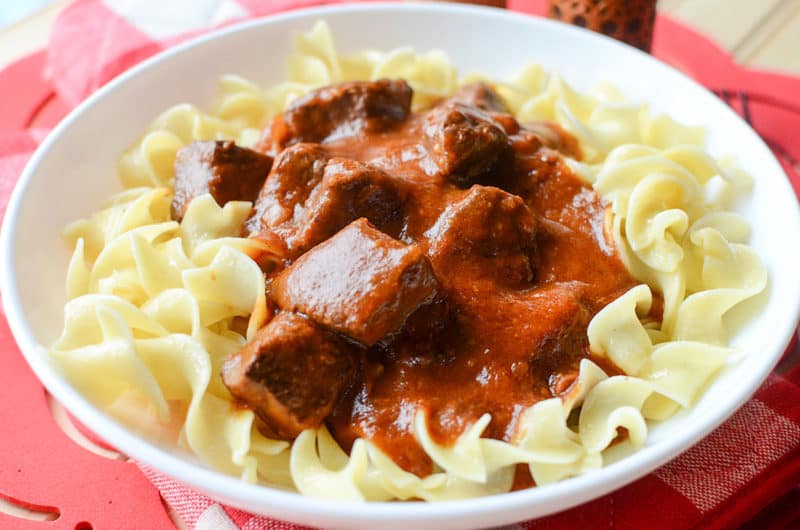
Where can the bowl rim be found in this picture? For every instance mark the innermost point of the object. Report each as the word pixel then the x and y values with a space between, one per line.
pixel 560 495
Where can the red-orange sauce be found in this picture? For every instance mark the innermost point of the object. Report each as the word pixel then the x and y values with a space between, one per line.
pixel 503 351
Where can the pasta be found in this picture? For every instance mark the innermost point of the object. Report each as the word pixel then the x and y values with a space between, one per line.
pixel 156 305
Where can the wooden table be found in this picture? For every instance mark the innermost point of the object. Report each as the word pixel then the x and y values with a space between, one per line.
pixel 758 33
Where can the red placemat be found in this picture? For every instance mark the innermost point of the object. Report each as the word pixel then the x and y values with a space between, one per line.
pixel 42 469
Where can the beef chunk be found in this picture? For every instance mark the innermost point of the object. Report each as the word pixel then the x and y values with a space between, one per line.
pixel 309 197
pixel 558 354
pixel 480 95
pixel 553 136
pixel 340 111
pixel 487 233
pixel 226 171
pixel 361 283
pixel 464 141
pixel 484 97
pixel 291 374
pixel 296 172
pixel 424 338
pixel 349 190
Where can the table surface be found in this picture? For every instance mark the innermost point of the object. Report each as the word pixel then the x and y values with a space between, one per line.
pixel 758 33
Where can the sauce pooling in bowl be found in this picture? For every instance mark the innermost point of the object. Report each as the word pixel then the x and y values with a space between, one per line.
pixel 446 261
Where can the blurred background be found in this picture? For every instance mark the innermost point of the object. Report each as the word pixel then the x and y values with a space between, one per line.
pixel 757 33
pixel 11 11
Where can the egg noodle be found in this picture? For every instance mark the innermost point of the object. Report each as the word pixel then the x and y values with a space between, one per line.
pixel 155 305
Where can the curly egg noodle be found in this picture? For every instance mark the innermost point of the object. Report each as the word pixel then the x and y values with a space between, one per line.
pixel 155 306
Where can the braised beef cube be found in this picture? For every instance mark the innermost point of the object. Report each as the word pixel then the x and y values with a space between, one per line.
pixel 464 141
pixel 488 232
pixel 340 111
pixel 291 373
pixel 297 170
pixel 349 190
pixel 480 95
pixel 552 135
pixel 426 336
pixel 361 283
pixel 226 171
pixel 329 194
pixel 557 357
pixel 484 97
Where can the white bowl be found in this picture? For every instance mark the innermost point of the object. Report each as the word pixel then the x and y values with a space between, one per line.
pixel 73 172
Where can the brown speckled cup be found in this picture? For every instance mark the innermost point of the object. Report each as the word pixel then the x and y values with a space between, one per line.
pixel 630 21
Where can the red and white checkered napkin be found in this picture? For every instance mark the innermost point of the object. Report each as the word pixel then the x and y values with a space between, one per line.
pixel 722 482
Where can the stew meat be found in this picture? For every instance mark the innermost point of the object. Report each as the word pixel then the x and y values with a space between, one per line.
pixel 340 111
pixel 447 261
pixel 464 142
pixel 311 195
pixel 226 171
pixel 292 372
pixel 360 283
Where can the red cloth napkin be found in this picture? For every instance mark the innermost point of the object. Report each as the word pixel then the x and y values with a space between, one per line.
pixel 749 462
